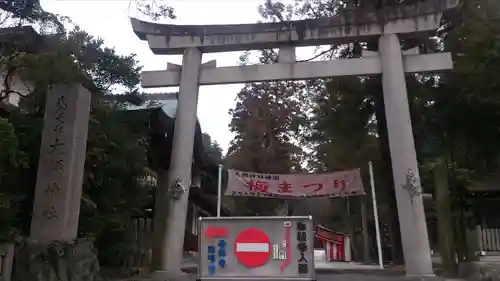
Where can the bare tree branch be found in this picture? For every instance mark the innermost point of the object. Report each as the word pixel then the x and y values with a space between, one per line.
pixel 330 50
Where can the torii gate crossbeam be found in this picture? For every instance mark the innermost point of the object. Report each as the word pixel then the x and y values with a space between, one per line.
pixel 419 20
pixel 296 71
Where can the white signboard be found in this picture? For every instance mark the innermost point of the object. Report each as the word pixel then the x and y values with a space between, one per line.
pixel 256 248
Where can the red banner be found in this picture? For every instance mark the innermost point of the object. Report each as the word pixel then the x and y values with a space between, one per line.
pixel 337 184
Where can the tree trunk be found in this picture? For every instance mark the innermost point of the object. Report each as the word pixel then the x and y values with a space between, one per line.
pixel 444 219
pixel 395 232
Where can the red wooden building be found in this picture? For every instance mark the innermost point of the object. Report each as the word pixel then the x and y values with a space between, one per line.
pixel 337 245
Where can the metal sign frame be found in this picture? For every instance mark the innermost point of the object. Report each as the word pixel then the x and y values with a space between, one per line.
pixel 253 222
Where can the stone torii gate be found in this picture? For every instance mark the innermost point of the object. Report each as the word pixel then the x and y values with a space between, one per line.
pixel 419 20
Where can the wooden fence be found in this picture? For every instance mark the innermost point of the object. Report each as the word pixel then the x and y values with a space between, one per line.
pixel 6 259
pixel 489 239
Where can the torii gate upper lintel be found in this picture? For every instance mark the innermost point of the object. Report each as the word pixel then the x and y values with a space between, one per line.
pixel 421 19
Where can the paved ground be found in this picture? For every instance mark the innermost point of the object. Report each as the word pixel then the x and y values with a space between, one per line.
pixel 332 272
pixel 357 277
pixel 391 275
pixel 352 277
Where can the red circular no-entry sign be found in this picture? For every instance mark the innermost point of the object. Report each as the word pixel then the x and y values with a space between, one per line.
pixel 252 247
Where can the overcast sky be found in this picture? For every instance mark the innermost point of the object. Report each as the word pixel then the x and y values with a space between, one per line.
pixel 110 21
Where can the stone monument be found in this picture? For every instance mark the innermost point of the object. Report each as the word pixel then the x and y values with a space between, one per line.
pixel 58 191
pixel 419 20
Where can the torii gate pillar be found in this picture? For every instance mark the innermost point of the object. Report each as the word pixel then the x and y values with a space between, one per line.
pixel 414 236
pixel 179 177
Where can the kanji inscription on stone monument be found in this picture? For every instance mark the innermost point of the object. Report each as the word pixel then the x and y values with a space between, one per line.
pixel 60 168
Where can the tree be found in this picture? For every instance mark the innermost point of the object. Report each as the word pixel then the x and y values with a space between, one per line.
pixel 155 9
pixel 266 120
pixel 347 95
pixel 212 147
pixel 349 113
pixel 117 143
pixel 461 115
pixel 210 180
